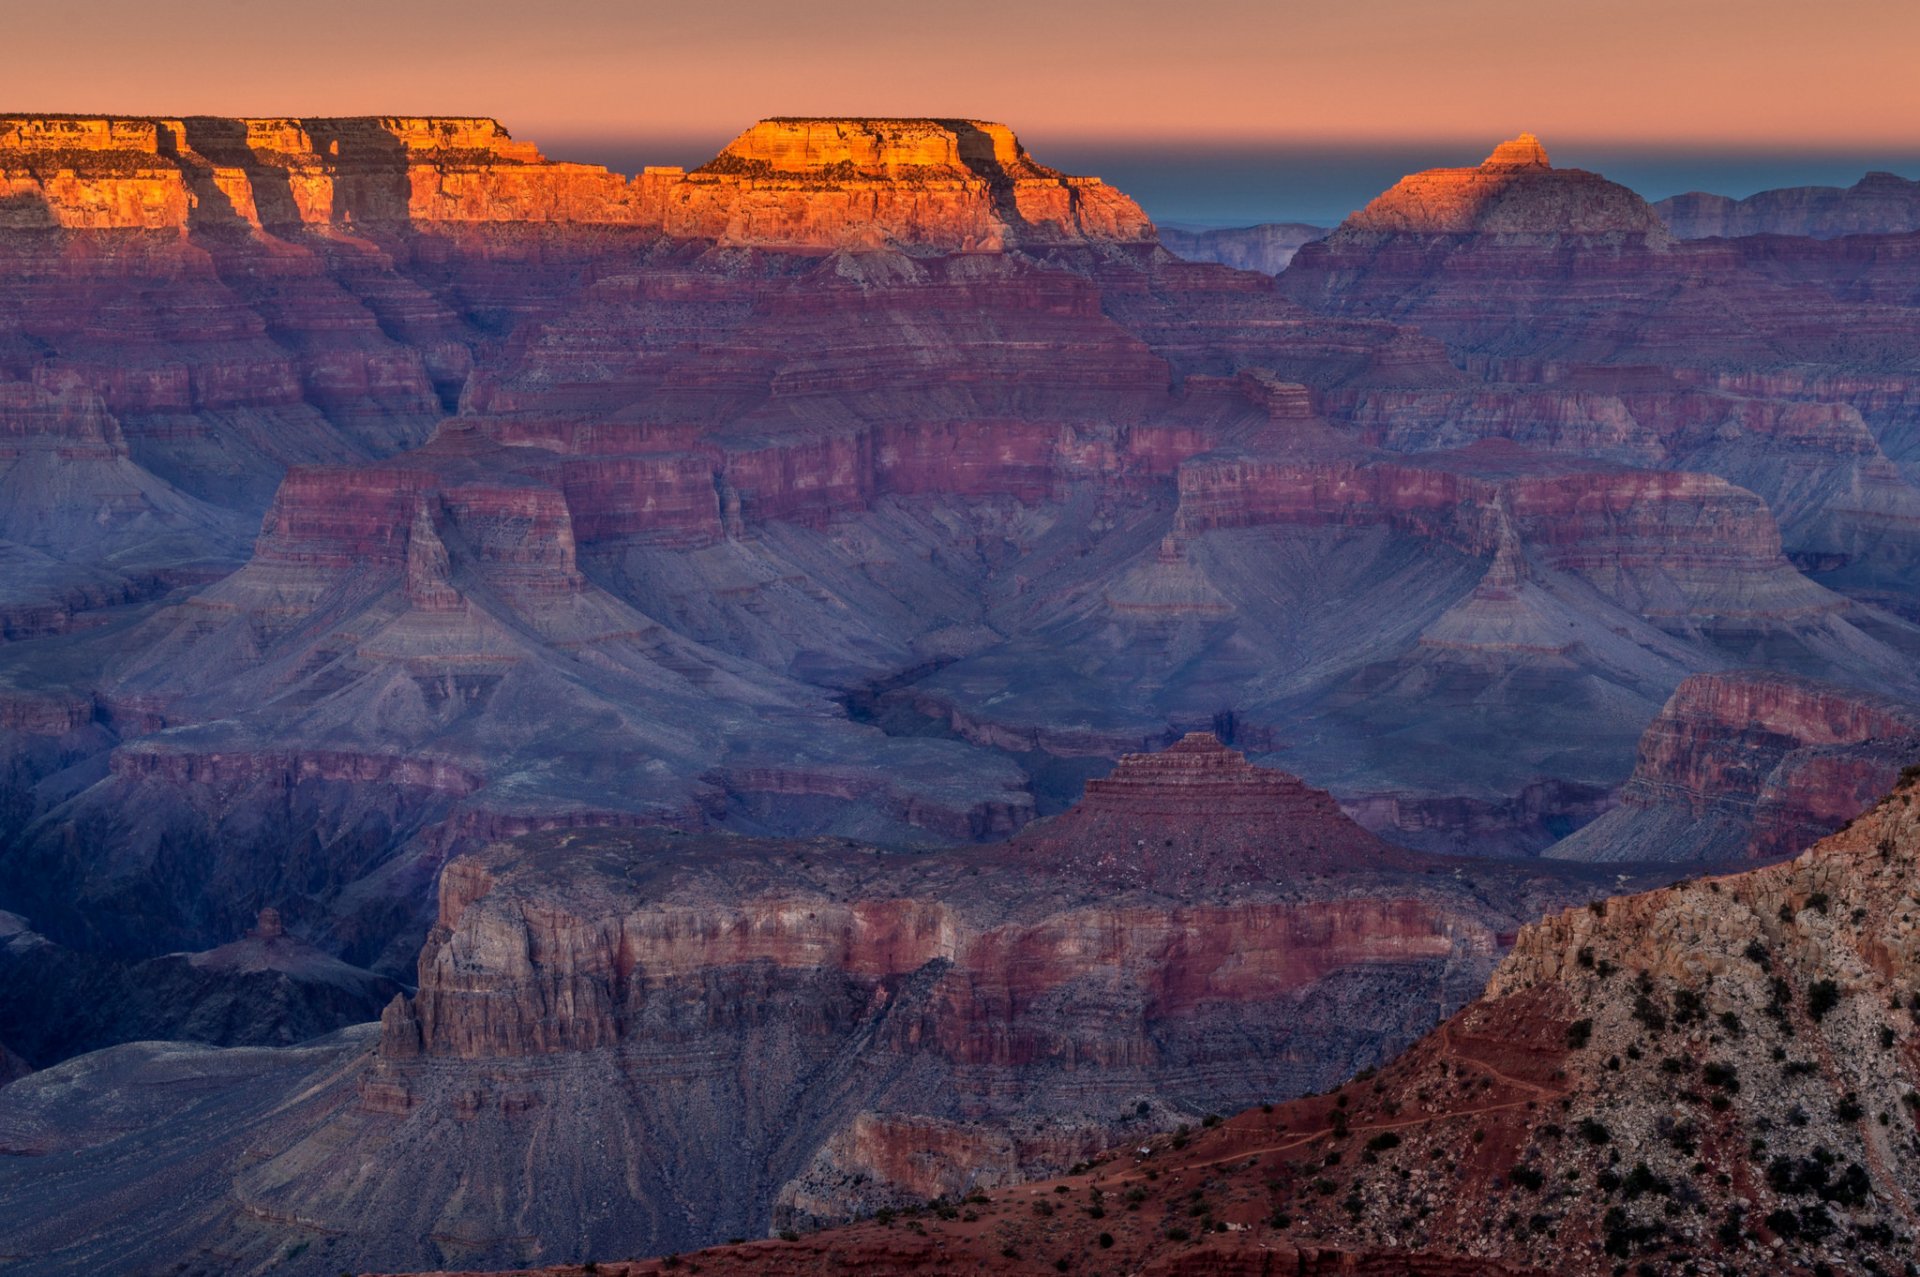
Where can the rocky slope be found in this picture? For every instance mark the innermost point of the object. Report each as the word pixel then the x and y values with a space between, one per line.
pixel 1878 204
pixel 1266 248
pixel 751 1035
pixel 1714 1077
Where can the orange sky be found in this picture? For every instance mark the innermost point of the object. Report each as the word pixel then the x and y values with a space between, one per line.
pixel 1755 72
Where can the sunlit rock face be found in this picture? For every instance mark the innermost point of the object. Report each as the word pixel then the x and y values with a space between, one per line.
pixel 954 184
pixel 1514 191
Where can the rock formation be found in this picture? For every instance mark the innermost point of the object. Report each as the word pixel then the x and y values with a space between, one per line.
pixel 957 184
pixel 1718 1075
pixel 1266 248
pixel 1751 764
pixel 1515 191
pixel 755 1034
pixel 268 988
pixel 1878 204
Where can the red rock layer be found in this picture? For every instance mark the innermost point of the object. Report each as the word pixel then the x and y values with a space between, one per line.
pixel 1709 1076
pixel 961 184
pixel 1752 764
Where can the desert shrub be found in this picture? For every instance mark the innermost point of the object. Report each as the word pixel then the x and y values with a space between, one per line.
pixel 1822 997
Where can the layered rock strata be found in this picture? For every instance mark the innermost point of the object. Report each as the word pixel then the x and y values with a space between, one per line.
pixel 961 184
pixel 1716 1075
pixel 1751 764
pixel 763 1034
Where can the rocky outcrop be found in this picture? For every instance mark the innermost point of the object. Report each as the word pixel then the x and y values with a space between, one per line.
pixel 1878 204
pixel 1197 815
pixel 1515 191
pixel 1751 764
pixel 1266 248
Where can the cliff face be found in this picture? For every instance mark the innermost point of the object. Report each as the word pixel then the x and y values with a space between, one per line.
pixel 1713 1074
pixel 959 184
pixel 1266 248
pixel 1878 204
pixel 763 1034
pixel 1751 764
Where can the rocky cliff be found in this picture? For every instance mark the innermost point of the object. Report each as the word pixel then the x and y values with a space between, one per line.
pixel 1878 204
pixel 958 184
pixel 1716 1076
pixel 1266 248
pixel 1751 764
pixel 703 1036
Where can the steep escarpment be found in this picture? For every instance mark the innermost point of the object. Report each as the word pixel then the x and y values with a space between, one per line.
pixel 764 1034
pixel 959 184
pixel 1751 764
pixel 1716 1076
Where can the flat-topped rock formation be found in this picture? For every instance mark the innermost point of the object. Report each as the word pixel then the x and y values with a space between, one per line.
pixel 1878 204
pixel 956 184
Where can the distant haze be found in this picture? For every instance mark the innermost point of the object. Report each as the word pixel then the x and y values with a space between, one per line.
pixel 1242 183
pixel 1732 73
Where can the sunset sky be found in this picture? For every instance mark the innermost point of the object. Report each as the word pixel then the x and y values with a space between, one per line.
pixel 619 78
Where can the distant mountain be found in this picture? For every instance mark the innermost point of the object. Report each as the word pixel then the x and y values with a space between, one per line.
pixel 1878 204
pixel 1266 248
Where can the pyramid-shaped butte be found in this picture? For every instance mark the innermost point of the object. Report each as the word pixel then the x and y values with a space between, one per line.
pixel 1514 192
pixel 1199 814
pixel 1520 152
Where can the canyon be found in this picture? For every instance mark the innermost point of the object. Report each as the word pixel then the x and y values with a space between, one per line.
pixel 630 1041
pixel 776 671
pixel 1718 1075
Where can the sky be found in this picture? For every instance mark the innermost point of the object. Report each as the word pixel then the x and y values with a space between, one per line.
pixel 1188 105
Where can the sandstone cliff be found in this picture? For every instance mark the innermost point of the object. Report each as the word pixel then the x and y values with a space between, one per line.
pixel 957 184
pixel 1751 764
